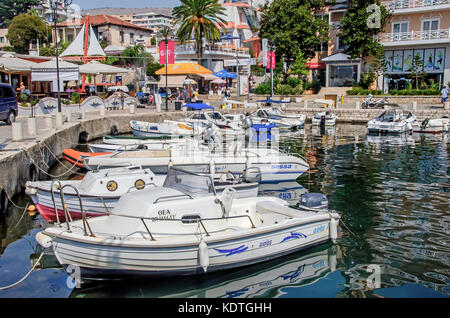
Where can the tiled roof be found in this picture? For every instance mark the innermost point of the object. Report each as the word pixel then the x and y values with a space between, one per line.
pixel 102 19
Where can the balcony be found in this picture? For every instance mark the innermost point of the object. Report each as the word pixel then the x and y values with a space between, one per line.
pixel 410 6
pixel 216 50
pixel 414 37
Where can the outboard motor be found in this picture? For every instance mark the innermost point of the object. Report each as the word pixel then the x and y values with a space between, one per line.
pixel 247 123
pixel 313 202
pixel 252 174
pixel 142 147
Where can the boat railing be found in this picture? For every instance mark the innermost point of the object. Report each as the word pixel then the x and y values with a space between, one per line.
pixel 68 218
pixel 141 186
pixel 201 222
pixel 177 197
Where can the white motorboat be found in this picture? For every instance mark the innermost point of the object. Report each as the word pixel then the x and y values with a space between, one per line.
pixel 393 121
pixel 184 228
pixel 272 165
pixel 277 113
pixel 100 191
pixel 142 145
pixel 166 128
pixel 326 118
pixel 432 126
pixel 261 116
pixel 223 125
pixel 290 191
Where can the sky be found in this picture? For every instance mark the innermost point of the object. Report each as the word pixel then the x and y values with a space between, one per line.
pixel 92 4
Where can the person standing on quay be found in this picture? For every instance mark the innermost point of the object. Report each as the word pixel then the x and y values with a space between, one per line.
pixel 444 95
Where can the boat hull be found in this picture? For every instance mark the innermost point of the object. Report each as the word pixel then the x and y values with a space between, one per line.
pixel 104 260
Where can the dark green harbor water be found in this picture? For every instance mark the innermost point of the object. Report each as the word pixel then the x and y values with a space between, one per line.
pixel 393 194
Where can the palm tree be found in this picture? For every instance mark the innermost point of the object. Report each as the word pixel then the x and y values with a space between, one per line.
pixel 136 55
pixel 199 19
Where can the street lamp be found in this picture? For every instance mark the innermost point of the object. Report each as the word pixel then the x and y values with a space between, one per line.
pixel 54 6
pixel 229 37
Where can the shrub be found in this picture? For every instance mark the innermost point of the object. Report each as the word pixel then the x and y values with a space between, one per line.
pixel 283 90
pixel 293 81
pixel 298 90
pixel 262 89
pixel 75 98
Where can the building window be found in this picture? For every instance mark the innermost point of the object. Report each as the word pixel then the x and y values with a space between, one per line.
pixel 2 39
pixel 400 31
pixel 339 45
pixel 131 38
pixel 121 38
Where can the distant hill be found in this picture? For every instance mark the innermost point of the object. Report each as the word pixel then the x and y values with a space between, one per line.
pixel 125 11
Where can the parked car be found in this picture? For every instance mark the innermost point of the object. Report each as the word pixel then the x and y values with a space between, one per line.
pixel 8 104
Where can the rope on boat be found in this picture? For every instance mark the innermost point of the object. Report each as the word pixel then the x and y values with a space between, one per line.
pixel 25 277
pixel 45 172
pixel 340 221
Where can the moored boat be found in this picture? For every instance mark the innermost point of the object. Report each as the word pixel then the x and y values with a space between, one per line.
pixel 178 230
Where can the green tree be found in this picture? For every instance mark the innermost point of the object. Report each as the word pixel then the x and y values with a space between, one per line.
pixel 299 67
pixel 199 19
pixel 293 27
pixel 12 8
pixel 24 29
pixel 363 20
pixel 136 55
pixel 417 71
pixel 152 68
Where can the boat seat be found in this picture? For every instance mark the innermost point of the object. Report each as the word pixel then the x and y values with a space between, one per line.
pixel 272 207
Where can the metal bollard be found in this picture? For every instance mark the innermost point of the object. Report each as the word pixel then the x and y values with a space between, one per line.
pixel 17 131
pixel 31 124
pixel 59 120
pixel 49 122
pixel 447 105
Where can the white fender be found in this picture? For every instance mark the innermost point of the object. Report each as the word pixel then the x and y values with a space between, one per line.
pixel 212 167
pixel 333 229
pixel 203 255
pixel 43 240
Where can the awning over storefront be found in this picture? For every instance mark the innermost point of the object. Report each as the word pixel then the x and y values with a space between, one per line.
pixel 208 77
pixel 14 64
pixel 172 81
pixel 183 69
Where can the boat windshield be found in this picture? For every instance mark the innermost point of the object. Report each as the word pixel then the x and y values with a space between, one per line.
pixel 189 183
pixel 277 111
pixel 387 117
pixel 216 116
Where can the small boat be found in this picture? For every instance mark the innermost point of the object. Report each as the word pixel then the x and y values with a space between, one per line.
pixel 143 145
pixel 290 191
pixel 326 118
pixel 100 191
pixel 277 113
pixel 432 126
pixel 273 165
pixel 185 228
pixel 166 128
pixel 392 121
pixel 76 157
pixel 261 116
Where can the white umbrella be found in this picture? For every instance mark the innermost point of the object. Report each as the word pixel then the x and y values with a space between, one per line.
pixel 218 81
pixel 95 67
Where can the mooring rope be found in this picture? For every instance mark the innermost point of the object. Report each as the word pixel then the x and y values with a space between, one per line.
pixel 9 199
pixel 60 162
pixel 25 277
pixel 42 170
pixel 18 222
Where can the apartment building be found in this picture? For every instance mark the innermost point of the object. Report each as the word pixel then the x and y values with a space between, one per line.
pixel 152 20
pixel 417 28
pixel 3 38
pixel 113 31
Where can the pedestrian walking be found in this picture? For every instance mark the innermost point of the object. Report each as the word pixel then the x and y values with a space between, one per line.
pixel 444 95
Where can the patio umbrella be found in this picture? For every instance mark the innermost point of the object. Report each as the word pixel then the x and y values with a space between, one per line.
pixel 218 81
pixel 189 81
pixel 225 74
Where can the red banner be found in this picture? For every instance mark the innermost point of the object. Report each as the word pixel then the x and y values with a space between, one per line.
pixel 170 50
pixel 270 60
